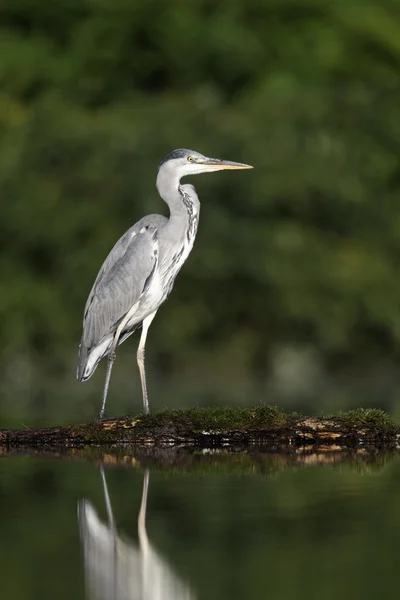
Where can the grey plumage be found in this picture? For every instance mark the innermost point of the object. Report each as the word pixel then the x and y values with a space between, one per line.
pixel 121 281
pixel 140 270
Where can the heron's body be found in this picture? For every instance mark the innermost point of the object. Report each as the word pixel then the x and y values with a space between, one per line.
pixel 139 273
pixel 144 289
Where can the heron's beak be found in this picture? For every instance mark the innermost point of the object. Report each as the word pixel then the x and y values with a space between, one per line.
pixel 218 165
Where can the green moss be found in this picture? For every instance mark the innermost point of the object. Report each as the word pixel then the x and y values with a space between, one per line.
pixel 373 418
pixel 185 424
pixel 262 416
pixel 196 419
pixel 94 432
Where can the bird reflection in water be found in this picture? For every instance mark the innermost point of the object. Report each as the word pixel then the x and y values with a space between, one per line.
pixel 117 568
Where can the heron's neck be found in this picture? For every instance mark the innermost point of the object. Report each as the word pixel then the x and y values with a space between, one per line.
pixel 171 192
pixel 168 188
pixel 184 207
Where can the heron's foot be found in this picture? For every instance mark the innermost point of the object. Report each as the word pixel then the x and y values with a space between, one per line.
pixel 104 417
pixel 101 417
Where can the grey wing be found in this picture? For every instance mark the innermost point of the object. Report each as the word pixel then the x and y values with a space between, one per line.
pixel 122 279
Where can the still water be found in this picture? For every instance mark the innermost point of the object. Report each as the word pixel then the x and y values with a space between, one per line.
pixel 241 527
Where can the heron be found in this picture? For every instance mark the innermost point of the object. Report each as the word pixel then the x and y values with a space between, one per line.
pixel 139 272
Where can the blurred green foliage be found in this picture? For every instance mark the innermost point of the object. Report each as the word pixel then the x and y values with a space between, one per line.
pixel 305 248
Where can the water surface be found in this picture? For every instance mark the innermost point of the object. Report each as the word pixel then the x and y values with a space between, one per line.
pixel 292 530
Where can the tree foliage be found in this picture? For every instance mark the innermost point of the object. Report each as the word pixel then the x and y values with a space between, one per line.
pixel 304 249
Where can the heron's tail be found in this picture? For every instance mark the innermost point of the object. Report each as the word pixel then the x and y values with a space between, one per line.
pixel 89 358
pixel 82 361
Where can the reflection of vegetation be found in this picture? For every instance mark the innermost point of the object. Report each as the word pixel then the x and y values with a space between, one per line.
pixel 222 461
pixel 253 463
pixel 93 95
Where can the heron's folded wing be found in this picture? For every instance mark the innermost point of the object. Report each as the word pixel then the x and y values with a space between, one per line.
pixel 121 281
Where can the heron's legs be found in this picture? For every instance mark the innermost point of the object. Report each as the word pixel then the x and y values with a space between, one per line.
pixel 142 513
pixel 110 515
pixel 140 359
pixel 110 361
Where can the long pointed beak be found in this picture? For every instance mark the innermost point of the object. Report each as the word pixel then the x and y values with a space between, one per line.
pixel 224 164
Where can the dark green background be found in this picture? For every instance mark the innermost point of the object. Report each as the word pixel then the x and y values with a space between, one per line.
pixel 296 263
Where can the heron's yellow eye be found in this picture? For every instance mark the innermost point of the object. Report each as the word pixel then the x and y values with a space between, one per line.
pixel 190 158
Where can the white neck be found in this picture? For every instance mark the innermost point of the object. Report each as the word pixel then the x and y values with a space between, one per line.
pixel 168 188
pixel 181 227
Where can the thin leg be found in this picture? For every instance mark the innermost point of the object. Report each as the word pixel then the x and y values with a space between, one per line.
pixel 140 359
pixel 110 362
pixel 144 542
pixel 110 515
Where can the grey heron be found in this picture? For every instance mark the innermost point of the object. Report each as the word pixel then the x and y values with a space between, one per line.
pixel 139 273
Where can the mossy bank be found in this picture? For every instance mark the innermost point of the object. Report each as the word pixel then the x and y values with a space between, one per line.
pixel 261 426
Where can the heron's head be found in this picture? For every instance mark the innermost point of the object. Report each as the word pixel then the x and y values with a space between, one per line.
pixel 180 163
